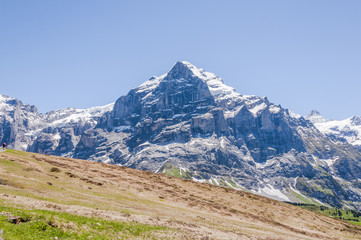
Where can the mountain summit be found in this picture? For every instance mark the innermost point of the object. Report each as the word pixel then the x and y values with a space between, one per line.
pixel 183 70
pixel 316 117
pixel 188 123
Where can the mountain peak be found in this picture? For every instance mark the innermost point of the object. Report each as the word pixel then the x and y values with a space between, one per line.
pixel 183 69
pixel 315 117
pixel 314 113
pixel 355 120
pixel 4 98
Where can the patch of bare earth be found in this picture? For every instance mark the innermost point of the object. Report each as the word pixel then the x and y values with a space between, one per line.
pixel 195 210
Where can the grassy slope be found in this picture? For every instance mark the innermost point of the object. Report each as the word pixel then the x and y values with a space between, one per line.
pixel 76 199
pixel 347 215
pixel 44 224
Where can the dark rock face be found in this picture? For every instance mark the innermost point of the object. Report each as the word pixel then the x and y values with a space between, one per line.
pixel 172 101
pixel 172 96
pixel 266 135
pixel 189 123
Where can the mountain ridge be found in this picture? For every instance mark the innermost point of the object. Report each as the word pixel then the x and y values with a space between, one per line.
pixel 187 122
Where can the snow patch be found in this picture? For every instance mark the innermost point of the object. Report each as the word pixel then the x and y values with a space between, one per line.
pixel 199 180
pixel 201 141
pixel 329 162
pixel 121 128
pixel 215 181
pixel 57 136
pixel 63 117
pixel 150 85
pixel 223 143
pixel 258 108
pixel 294 115
pixel 274 109
pixel 179 115
pixel 269 190
pixel 183 169
pixel 216 86
pixel 33 133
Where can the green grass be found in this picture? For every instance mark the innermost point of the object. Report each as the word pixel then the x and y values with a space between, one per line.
pixel 173 171
pixel 43 224
pixel 16 152
pixel 233 184
pixel 302 198
pixel 223 183
pixel 356 223
pixel 8 163
pixel 347 215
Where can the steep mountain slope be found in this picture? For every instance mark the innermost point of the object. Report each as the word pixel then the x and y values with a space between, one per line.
pixel 185 209
pixel 188 123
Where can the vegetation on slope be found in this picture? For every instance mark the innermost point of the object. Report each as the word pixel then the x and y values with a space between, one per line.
pixel 55 193
pixel 351 216
pixel 16 223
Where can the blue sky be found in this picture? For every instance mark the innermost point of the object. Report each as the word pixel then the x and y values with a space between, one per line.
pixel 303 55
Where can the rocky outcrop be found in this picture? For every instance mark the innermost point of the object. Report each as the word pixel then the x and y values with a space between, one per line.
pixel 17 120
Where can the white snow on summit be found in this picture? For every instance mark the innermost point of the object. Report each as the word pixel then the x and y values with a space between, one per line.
pixel 227 96
pixel 258 108
pixel 348 129
pixel 3 105
pixel 316 117
pixel 294 114
pixel 216 85
pixel 3 98
pixel 224 95
pixel 151 84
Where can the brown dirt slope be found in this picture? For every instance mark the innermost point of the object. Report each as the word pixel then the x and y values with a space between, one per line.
pixel 195 210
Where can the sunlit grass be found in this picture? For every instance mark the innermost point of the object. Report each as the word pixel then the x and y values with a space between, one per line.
pixel 43 224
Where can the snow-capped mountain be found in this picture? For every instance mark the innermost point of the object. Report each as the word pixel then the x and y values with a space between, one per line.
pixel 56 132
pixel 188 123
pixel 348 130
pixel 16 121
pixel 63 129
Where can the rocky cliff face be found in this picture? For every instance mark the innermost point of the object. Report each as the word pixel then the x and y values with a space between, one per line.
pixel 17 121
pixel 188 123
pixel 56 132
pixel 64 128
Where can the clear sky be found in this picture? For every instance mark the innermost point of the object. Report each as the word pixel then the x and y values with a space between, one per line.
pixel 303 55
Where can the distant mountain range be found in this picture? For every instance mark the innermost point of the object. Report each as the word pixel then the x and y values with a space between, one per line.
pixel 188 123
pixel 344 131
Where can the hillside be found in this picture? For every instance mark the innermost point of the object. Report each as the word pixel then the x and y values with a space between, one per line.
pixel 166 207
